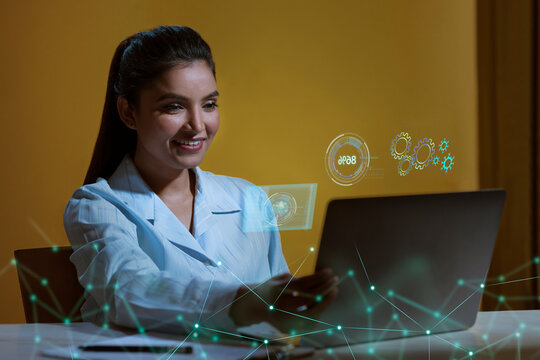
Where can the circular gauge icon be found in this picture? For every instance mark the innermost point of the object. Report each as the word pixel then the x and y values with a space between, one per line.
pixel 284 207
pixel 347 159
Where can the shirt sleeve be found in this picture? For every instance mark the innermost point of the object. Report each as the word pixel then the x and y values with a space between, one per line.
pixel 126 285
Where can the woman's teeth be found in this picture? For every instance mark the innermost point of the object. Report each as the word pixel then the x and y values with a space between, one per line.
pixel 185 142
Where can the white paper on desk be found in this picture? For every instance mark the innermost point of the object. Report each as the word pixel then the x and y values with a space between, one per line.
pixel 200 351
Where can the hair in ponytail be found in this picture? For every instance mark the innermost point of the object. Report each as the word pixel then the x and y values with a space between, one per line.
pixel 137 61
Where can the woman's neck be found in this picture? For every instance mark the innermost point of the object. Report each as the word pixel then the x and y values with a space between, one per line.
pixel 168 183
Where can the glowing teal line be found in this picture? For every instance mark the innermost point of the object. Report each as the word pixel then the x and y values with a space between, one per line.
pixel 231 334
pixel 292 277
pixel 401 311
pixel 491 345
pixel 267 353
pixel 454 345
pixel 206 298
pixel 362 262
pixel 379 329
pixel 232 302
pixel 178 347
pixel 429 347
pixel 248 355
pixel 513 281
pixel 457 307
pixel 243 283
pixel 303 334
pixel 304 317
pixel 354 357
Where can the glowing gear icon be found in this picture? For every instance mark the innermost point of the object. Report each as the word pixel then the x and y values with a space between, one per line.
pixel 431 148
pixel 402 136
pixel 443 146
pixel 405 165
pixel 435 160
pixel 447 162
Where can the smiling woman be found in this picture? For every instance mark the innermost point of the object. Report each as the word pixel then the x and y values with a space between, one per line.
pixel 158 242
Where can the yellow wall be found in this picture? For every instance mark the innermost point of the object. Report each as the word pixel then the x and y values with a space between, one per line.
pixel 292 74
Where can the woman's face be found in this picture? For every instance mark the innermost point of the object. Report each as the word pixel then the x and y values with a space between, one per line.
pixel 177 118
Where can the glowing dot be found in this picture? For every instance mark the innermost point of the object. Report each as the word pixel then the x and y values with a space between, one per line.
pixel 460 282
pixel 37 339
pixel 196 335
pixel 536 260
pixel 405 332
pixel 329 332
pixel 518 334
pixel 437 314
pixel 44 282
pixel 395 316
pixel 89 287
pixel 196 326
pixel 254 344
pixel 470 353
pixel 75 355
pixel 67 321
pixel 312 249
pixel 338 327
pixel 265 341
pixel 219 263
pixel 390 293
pixel 428 332
pixel 116 286
pixel 371 350
pixel 485 337
pixel 54 249
pixel 203 354
pixel 293 332
pixel 141 330
pixel 33 297
pixel 179 317
pixel 13 261
pixel 522 325
pixel 369 309
pixel 329 351
pixel 350 272
pixel 501 278
pixel 372 288
pixel 106 307
pixel 318 298
pixel 501 298
pixel 215 338
pixel 482 286
pixel 271 307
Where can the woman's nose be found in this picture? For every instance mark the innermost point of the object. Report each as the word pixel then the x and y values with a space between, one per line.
pixel 195 121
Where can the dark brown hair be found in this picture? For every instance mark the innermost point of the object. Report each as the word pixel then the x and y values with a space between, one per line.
pixel 137 61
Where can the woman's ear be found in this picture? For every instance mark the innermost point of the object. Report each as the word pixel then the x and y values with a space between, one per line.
pixel 126 113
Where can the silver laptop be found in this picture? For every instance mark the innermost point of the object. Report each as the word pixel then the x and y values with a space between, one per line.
pixel 408 265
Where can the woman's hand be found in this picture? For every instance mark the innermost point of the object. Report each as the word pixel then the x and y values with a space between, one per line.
pixel 280 298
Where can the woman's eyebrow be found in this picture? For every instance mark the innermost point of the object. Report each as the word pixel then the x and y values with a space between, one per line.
pixel 184 98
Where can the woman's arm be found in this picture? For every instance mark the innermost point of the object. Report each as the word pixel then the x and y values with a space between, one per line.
pixel 125 284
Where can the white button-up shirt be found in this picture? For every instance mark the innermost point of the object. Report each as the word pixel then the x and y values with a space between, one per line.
pixel 142 268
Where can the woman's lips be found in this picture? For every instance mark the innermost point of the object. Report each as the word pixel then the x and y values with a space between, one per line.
pixel 189 145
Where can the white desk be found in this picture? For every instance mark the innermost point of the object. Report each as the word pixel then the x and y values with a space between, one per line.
pixel 492 337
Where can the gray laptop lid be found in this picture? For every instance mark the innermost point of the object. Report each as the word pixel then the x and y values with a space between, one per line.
pixel 407 264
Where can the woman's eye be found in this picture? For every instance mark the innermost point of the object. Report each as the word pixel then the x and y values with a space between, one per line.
pixel 173 107
pixel 210 106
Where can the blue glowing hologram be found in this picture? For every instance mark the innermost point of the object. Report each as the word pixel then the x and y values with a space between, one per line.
pixel 347 159
pixel 423 154
pixel 403 138
pixel 283 207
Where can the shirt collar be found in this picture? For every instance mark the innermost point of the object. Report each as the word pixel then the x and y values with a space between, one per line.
pixel 134 192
